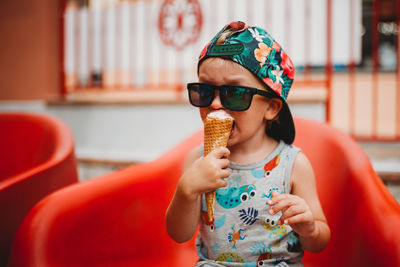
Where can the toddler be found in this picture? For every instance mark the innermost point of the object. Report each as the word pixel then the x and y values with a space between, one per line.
pixel 267 209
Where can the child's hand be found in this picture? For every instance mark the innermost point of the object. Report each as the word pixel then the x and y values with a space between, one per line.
pixel 206 173
pixel 295 212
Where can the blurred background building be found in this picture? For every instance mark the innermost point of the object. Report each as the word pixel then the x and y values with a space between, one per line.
pixel 115 70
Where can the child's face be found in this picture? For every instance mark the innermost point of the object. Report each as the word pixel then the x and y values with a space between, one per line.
pixel 249 124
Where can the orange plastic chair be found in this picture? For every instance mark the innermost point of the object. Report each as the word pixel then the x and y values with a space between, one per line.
pixel 118 219
pixel 36 158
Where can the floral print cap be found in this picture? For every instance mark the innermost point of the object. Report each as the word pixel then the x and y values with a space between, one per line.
pixel 257 51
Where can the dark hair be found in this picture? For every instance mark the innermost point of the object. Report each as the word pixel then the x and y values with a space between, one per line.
pixel 272 127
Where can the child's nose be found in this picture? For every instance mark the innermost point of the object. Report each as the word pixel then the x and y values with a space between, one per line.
pixel 216 103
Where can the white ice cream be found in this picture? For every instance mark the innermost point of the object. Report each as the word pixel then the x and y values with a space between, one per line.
pixel 219 114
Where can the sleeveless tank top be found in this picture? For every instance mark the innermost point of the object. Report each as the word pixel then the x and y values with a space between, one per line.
pixel 243 233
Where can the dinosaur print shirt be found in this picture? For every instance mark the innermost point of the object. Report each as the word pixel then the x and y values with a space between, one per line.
pixel 242 232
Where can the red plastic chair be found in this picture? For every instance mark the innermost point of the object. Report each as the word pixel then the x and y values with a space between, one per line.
pixel 36 158
pixel 118 219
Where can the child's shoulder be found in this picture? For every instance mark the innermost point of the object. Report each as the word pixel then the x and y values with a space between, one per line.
pixel 302 170
pixel 302 163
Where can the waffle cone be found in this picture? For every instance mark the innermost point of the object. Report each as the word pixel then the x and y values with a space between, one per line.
pixel 216 134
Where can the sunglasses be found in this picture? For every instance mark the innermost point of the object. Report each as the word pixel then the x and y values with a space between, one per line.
pixel 233 97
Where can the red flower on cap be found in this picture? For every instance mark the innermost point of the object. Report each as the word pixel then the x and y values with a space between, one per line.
pixel 276 46
pixel 276 86
pixel 287 65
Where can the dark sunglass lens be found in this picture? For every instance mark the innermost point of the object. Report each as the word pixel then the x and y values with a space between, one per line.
pixel 200 95
pixel 236 98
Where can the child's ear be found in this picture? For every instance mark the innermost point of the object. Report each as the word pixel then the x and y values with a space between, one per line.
pixel 274 106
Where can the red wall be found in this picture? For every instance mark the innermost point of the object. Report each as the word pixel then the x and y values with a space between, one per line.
pixel 29 50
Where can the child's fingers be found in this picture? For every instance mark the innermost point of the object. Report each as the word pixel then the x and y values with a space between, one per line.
pixel 299 218
pixel 224 163
pixel 277 197
pixel 275 193
pixel 220 152
pixel 283 202
pixel 291 212
pixel 225 173
pixel 281 205
pixel 221 183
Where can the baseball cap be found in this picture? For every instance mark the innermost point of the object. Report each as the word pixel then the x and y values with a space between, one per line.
pixel 257 51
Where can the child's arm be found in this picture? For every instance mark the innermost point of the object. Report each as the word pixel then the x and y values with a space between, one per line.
pixel 301 209
pixel 200 175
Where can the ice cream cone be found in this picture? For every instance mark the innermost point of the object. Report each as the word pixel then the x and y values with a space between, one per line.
pixel 217 128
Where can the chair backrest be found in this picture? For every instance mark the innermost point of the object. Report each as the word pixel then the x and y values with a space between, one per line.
pixel 26 140
pixel 114 220
pixel 362 214
pixel 118 219
pixel 36 158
